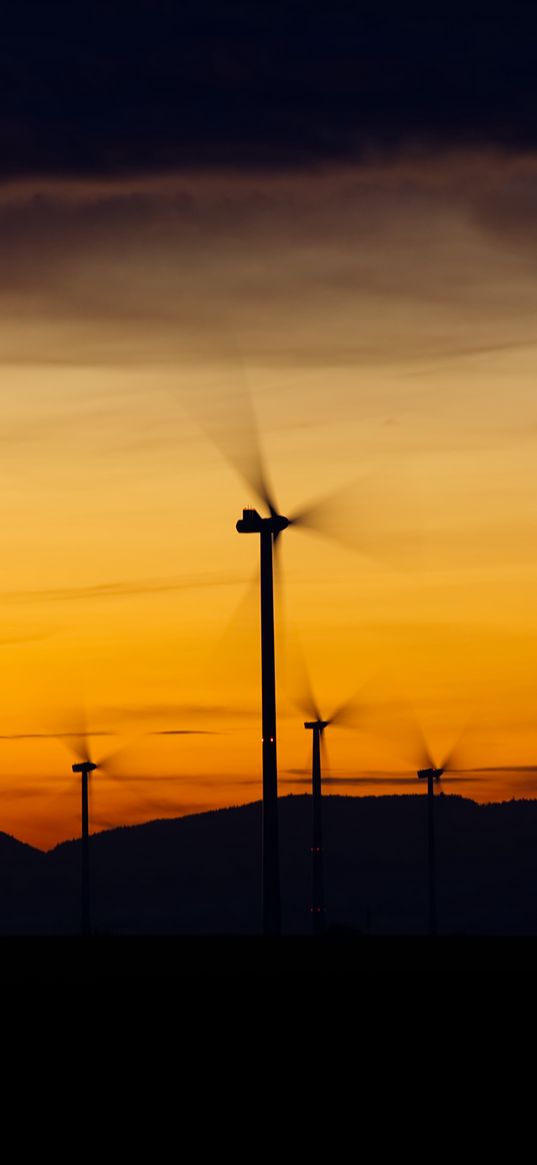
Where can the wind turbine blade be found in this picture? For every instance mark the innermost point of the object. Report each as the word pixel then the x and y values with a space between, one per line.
pixel 298 679
pixel 108 764
pixel 309 701
pixel 455 758
pixel 307 706
pixel 423 757
pixel 237 646
pixel 77 744
pixel 409 736
pixel 349 713
pixel 359 517
pixel 394 722
pixel 225 413
pixel 282 638
pixel 74 731
pixel 277 558
pixel 76 734
pixel 326 767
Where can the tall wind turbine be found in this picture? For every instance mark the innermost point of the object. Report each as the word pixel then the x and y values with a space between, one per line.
pixel 269 530
pixel 242 448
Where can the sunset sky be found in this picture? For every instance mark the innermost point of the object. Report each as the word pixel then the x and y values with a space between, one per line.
pixel 328 219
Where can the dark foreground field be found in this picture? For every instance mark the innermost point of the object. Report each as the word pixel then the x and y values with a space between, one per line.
pixel 121 960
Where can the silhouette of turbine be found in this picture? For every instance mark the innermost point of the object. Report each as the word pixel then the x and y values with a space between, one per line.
pixel 85 768
pixel 238 440
pixel 404 729
pixel 317 874
pixel 269 530
pixel 78 742
pixel 432 775
pixel 341 716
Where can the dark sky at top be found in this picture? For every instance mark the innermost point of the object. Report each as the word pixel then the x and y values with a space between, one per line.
pixel 108 88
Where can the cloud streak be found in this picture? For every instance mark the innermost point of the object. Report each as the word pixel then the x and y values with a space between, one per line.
pixel 119 275
pixel 118 590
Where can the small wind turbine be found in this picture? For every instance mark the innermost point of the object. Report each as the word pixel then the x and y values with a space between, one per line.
pixel 403 728
pixel 432 774
pixel 78 743
pixel 85 767
pixel 343 715
pixel 317 907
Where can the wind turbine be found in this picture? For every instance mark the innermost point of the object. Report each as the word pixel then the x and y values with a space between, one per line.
pixel 269 530
pixel 243 452
pixel 431 775
pixel 317 872
pixel 85 768
pixel 78 742
pixel 341 716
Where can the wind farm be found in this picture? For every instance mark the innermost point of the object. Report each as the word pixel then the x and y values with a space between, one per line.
pixel 366 541
pixel 393 721
pixel 247 262
pixel 290 885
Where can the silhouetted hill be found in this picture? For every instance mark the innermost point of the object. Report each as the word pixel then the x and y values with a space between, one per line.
pixel 21 867
pixel 201 874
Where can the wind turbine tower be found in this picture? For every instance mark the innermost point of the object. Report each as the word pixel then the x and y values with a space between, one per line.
pixel 317 728
pixel 85 768
pixel 269 530
pixel 432 776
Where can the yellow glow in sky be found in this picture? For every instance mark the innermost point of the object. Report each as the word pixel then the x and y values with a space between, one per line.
pixel 382 322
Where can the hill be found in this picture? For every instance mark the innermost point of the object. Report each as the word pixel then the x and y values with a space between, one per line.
pixel 22 869
pixel 200 874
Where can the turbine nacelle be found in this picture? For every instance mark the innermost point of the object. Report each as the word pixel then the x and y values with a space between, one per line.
pixel 85 766
pixel 424 774
pixel 252 523
pixel 317 725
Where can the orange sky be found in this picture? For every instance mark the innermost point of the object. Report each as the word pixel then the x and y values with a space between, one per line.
pixel 382 320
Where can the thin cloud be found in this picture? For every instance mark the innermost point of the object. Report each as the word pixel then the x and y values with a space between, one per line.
pixel 183 732
pixel 507 769
pixel 52 735
pixel 352 782
pixel 191 712
pixel 120 589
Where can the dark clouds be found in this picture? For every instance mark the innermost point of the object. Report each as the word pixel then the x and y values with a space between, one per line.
pixel 312 268
pixel 114 88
